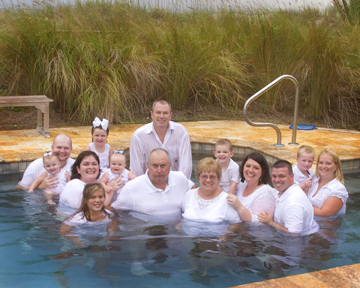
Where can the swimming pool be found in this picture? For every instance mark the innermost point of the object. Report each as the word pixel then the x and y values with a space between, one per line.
pixel 34 254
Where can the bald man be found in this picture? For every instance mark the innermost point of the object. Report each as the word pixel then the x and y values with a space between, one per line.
pixel 62 145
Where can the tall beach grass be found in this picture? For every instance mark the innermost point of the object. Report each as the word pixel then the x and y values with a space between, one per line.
pixel 112 59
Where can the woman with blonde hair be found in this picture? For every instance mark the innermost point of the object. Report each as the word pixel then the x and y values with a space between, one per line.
pixel 328 194
pixel 208 202
pixel 91 210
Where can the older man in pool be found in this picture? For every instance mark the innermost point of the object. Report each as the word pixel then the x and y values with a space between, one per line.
pixel 293 211
pixel 62 145
pixel 161 133
pixel 159 192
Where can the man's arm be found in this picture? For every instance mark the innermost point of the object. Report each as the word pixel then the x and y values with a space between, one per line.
pixel 37 182
pixel 185 156
pixel 266 218
pixel 124 201
pixel 137 158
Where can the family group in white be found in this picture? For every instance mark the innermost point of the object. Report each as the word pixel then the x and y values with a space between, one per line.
pixel 97 183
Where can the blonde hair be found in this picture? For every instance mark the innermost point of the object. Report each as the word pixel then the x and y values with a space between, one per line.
pixel 338 172
pixel 88 192
pixel 118 154
pixel 305 149
pixel 48 157
pixel 224 142
pixel 208 164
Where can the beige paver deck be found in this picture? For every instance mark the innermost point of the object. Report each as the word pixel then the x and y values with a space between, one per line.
pixel 27 145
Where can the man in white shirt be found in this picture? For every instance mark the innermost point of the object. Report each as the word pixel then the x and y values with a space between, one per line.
pixel 293 211
pixel 159 192
pixel 62 145
pixel 161 133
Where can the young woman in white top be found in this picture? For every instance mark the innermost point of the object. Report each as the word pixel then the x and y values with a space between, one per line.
pixel 254 194
pixel 328 194
pixel 92 210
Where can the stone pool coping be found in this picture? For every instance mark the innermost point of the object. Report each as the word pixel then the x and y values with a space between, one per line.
pixel 19 148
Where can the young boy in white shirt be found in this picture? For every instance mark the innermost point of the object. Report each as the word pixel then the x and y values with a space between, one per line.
pixel 230 169
pixel 302 170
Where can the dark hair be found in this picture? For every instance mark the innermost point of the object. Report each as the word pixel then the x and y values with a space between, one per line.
pixel 283 164
pixel 99 127
pixel 89 190
pixel 260 159
pixel 74 173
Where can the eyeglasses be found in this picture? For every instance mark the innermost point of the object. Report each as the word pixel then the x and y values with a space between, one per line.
pixel 205 177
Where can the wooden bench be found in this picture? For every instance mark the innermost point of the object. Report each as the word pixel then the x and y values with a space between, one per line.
pixel 41 102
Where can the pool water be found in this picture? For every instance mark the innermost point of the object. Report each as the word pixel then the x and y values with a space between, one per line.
pixel 34 254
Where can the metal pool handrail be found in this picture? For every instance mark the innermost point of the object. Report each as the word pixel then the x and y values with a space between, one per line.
pixel 278 132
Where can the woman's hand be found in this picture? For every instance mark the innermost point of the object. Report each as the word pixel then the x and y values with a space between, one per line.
pixel 233 201
pixel 116 183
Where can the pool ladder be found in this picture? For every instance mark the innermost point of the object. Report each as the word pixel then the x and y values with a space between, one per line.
pixel 278 132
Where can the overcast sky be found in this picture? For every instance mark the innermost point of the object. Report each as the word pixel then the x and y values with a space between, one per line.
pixel 185 4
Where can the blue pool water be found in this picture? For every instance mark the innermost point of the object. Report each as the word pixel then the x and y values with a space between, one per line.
pixel 34 254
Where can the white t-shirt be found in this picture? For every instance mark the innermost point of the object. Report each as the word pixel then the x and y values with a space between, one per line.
pixel 36 168
pixel 72 194
pixel 294 211
pixel 261 200
pixel 299 177
pixel 333 188
pixel 214 210
pixel 140 195
pixel 176 142
pixel 231 174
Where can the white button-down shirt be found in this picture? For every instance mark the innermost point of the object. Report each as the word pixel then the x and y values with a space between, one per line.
pixel 176 142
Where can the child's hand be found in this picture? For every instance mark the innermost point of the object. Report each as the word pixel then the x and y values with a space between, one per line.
pixel 308 184
pixel 30 191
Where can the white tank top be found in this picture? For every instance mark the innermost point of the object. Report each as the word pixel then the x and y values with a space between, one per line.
pixel 104 157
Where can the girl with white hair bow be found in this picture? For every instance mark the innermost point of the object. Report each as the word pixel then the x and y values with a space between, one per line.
pixel 100 132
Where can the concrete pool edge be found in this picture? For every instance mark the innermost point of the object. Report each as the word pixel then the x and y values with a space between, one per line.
pixel 348 276
pixel 349 165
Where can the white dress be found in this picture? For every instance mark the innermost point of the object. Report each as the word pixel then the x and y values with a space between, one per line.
pixel 62 181
pixel 124 177
pixel 333 188
pixel 72 194
pixel 231 174
pixel 214 210
pixel 299 177
pixel 261 200
pixel 103 157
